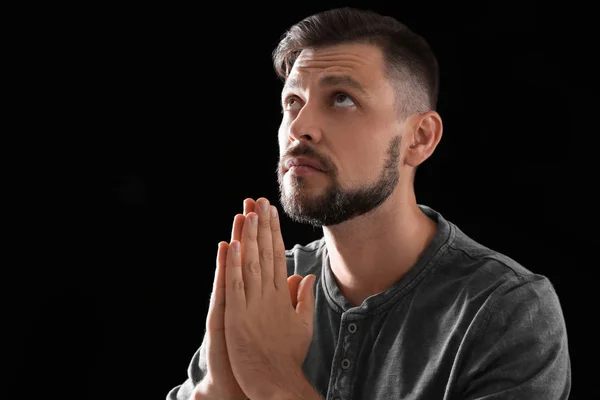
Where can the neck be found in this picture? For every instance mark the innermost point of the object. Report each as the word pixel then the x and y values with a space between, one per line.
pixel 371 252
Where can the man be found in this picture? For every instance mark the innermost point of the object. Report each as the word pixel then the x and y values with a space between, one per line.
pixel 394 301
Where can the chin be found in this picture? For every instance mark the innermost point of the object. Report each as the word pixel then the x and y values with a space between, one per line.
pixel 302 190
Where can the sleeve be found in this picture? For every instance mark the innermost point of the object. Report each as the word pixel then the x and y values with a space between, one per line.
pixel 195 373
pixel 521 350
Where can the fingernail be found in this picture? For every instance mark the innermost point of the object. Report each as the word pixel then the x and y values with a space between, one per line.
pixel 273 212
pixel 236 246
pixel 264 206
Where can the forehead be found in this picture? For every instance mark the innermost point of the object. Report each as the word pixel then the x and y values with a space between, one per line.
pixel 363 62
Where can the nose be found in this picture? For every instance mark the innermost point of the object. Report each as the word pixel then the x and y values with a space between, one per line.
pixel 306 126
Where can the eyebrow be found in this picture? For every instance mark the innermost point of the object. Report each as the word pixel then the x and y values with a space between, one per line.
pixel 329 80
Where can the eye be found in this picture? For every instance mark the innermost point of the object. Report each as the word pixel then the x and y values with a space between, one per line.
pixel 290 102
pixel 343 100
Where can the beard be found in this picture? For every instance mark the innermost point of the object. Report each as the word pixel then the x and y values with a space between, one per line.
pixel 336 204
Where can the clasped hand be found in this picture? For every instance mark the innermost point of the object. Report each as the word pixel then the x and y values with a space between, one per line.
pixel 267 330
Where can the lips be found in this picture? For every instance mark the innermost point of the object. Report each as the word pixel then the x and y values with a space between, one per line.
pixel 302 161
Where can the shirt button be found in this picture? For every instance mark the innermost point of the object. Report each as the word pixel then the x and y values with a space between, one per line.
pixel 345 363
pixel 352 327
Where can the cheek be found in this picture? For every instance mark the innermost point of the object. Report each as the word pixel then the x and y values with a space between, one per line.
pixel 353 164
pixel 363 161
pixel 282 138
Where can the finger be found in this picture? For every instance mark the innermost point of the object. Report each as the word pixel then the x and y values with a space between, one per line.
pixel 265 245
pixel 216 309
pixel 251 259
pixel 293 283
pixel 306 301
pixel 236 230
pixel 249 205
pixel 246 272
pixel 279 261
pixel 235 296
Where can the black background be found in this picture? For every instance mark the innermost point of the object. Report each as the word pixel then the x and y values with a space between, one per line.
pixel 156 121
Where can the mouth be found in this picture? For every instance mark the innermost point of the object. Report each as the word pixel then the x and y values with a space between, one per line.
pixel 302 165
pixel 303 170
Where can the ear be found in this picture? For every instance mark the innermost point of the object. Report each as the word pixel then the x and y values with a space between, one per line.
pixel 426 131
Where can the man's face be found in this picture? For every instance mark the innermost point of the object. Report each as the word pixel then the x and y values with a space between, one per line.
pixel 339 113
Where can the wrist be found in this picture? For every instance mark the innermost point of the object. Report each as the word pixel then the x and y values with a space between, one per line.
pixel 205 390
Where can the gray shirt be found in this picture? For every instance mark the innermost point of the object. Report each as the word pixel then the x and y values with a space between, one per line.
pixel 466 322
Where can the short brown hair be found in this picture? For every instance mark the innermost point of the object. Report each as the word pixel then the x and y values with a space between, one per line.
pixel 410 63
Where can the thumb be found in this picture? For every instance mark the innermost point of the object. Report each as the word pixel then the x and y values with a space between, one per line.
pixel 305 308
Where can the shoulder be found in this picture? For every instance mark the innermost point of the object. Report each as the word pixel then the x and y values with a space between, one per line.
pixel 515 337
pixel 476 266
pixel 481 278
